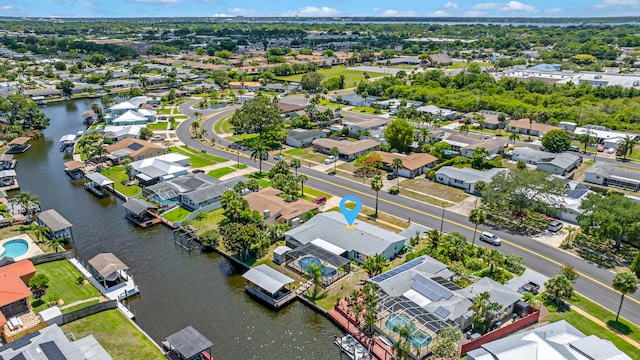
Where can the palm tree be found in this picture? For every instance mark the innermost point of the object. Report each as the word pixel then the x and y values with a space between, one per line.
pixel 464 129
pixel 374 265
pixel 39 231
pixel 126 164
pixel 194 127
pixel 494 257
pixel 397 164
pixel 302 178
pixel 335 151
pixel 585 139
pixel 625 283
pixel 514 137
pixel 376 185
pixel 402 347
pixel 258 151
pixel 29 202
pixel 434 236
pixel 477 217
pixel 627 146
pixel 425 134
pixel 98 150
pixel 295 164
pixel 570 230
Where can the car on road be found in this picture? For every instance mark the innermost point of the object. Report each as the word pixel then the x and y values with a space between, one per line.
pixel 490 238
pixel 156 138
pixel 279 157
pixel 330 160
pixel 488 136
pixel 574 148
pixel 600 148
pixel 197 171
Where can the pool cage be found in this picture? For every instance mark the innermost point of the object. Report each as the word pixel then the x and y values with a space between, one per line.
pixel 397 311
pixel 164 196
pixel 334 266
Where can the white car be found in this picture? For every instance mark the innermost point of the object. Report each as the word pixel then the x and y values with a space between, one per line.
pixel 611 150
pixel 330 160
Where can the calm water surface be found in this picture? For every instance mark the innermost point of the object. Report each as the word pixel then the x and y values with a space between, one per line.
pixel 177 288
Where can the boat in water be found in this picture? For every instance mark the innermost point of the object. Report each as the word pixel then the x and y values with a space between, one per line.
pixel 353 348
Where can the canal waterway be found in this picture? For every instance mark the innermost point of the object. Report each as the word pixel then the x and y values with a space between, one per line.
pixel 177 288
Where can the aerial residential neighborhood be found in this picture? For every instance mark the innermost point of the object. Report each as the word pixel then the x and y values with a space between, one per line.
pixel 319 187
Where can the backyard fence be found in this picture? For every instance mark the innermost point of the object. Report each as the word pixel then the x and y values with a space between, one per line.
pixel 45 258
pixel 89 310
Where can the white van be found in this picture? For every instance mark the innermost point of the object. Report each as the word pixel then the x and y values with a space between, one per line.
pixel 490 238
pixel 554 226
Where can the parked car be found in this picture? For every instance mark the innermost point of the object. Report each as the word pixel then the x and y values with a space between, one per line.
pixel 320 200
pixel 574 148
pixel 391 176
pixel 488 136
pixel 156 138
pixel 279 157
pixel 490 238
pixel 611 150
pixel 330 160
pixel 600 148
pixel 197 171
pixel 555 226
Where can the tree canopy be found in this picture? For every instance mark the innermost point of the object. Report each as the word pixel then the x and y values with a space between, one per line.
pixel 20 110
pixel 259 115
pixel 613 217
pixel 556 141
pixel 399 134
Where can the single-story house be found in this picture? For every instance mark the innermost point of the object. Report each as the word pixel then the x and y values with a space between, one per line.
pixel 412 165
pixel 117 132
pixel 14 296
pixel 438 113
pixel 611 175
pixel 367 125
pixel 136 149
pixel 245 85
pixel 302 138
pixel 354 99
pixel 363 241
pixel 557 340
pixel 551 163
pixel 440 59
pixel 281 88
pixel 121 84
pixel 153 170
pixel 275 209
pixel 132 117
pixel 466 145
pixel 501 294
pixel 193 191
pixel 523 126
pixel 347 150
pixel 491 119
pixel 465 178
pixel 395 103
pixel 602 133
pixel 122 107
pixel 287 109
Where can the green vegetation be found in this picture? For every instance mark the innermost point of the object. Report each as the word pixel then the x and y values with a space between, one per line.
pixel 264 183
pixel 223 126
pixel 207 222
pixel 177 214
pixel 116 334
pixel 80 306
pixel 196 160
pixel 350 76
pixel 204 155
pixel 220 172
pixel 63 278
pixel 119 176
pixel 160 125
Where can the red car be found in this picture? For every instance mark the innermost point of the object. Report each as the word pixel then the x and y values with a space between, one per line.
pixel 600 148
pixel 197 171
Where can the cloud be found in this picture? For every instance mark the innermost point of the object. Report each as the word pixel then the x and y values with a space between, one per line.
pixel 312 11
pixel 241 11
pixel 554 11
pixel 438 13
pixel 376 9
pixel 392 12
pixel 450 5
pixel 512 6
pixel 6 8
pixel 518 6
pixel 608 4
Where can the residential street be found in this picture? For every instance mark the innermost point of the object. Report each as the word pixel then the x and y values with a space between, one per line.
pixel 594 282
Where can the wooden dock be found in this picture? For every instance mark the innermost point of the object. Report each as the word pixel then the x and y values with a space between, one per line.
pixel 377 348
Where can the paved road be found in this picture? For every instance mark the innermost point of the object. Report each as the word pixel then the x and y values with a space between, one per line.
pixel 594 282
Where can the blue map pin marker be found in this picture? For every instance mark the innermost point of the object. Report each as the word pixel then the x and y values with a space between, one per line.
pixel 349 214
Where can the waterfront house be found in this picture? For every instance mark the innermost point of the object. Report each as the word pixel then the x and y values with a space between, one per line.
pixel 347 150
pixel 131 118
pixel 51 343
pixel 14 295
pixel 18 145
pixel 193 191
pixel 117 132
pixel 611 175
pixel 269 285
pixel 134 149
pixel 465 178
pixel 412 165
pixel 121 108
pixel 358 243
pixel 300 138
pixel 59 227
pixel 275 209
pixel 332 258
pixel 558 340
pixel 153 170
pixel 523 126
pixel 188 344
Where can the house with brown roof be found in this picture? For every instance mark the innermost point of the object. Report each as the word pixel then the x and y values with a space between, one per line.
pixel 491 119
pixel 245 85
pixel 523 126
pixel 467 145
pixel 288 109
pixel 275 209
pixel 440 59
pixel 134 149
pixel 412 165
pixel 347 150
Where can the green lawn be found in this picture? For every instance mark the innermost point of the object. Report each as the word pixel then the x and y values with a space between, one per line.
pixel 164 111
pixel 220 172
pixel 364 109
pixel 464 64
pixel 116 334
pixel 180 117
pixel 62 281
pixel 196 160
pixel 240 137
pixel 264 183
pixel 315 193
pixel 350 76
pixel 217 159
pixel 161 125
pixel 223 126
pixel 210 222
pixel 177 214
pixel 118 175
pixel 240 166
pixel 607 316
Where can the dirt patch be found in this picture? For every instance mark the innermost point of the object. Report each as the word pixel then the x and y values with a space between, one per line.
pixel 432 188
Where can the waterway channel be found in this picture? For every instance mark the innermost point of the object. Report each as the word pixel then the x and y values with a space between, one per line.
pixel 177 288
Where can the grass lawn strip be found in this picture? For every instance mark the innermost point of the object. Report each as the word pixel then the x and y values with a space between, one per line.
pixel 625 327
pixel 195 160
pixel 177 214
pixel 220 172
pixel 161 125
pixel 80 306
pixel 118 176
pixel 264 183
pixel 62 281
pixel 209 222
pixel 429 187
pixel 116 334
pixel 350 76
pixel 217 159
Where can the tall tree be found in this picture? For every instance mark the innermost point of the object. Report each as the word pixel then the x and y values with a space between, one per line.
pixel 396 165
pixel 376 185
pixel 612 217
pixel 259 115
pixel 258 151
pixel 556 141
pixel 334 151
pixel 627 146
pixel 558 288
pixel 625 283
pixel 477 217
pixel 302 179
pixel 399 135
pixel 374 265
pixel 295 164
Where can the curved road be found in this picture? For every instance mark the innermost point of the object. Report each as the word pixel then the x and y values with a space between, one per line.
pixel 594 282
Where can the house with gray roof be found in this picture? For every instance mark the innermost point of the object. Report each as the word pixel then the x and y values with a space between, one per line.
pixel 611 175
pixel 51 343
pixel 59 227
pixel 466 145
pixel 347 150
pixel 354 99
pixel 192 191
pixel 551 163
pixel 501 294
pixel 465 178
pixel 302 138
pixel 359 243
pixel 558 340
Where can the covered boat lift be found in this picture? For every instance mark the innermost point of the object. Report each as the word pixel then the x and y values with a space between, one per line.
pixel 97 184
pixel 188 344
pixel 268 285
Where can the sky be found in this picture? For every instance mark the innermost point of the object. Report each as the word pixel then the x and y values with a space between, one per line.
pixel 322 8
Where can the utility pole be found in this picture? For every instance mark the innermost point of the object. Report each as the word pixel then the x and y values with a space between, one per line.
pixel 442 220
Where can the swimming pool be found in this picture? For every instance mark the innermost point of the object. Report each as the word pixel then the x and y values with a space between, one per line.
pixel 310 260
pixel 418 337
pixel 162 201
pixel 14 248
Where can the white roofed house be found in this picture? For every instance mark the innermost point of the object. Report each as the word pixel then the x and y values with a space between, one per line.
pixel 465 178
pixel 117 132
pixel 152 170
pixel 121 108
pixel 131 117
pixel 302 138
